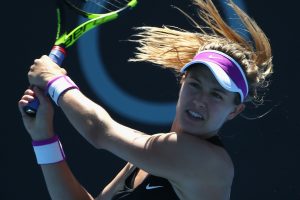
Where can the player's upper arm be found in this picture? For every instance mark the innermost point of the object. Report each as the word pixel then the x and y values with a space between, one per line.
pixel 172 155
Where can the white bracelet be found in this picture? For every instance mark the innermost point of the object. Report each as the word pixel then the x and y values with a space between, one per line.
pixel 57 86
pixel 48 151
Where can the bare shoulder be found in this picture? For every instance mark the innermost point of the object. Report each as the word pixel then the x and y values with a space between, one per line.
pixel 208 172
pixel 206 162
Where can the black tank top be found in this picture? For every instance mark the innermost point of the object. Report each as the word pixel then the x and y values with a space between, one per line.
pixel 153 187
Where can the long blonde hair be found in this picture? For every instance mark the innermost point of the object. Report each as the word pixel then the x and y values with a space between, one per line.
pixel 172 47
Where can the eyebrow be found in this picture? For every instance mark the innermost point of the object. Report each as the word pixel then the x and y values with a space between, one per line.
pixel 218 88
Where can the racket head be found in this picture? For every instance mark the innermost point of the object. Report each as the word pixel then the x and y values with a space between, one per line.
pixel 93 8
pixel 96 12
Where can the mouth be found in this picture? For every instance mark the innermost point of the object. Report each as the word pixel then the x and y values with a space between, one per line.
pixel 195 115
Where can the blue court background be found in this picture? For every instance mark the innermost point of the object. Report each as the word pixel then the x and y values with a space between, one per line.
pixel 265 151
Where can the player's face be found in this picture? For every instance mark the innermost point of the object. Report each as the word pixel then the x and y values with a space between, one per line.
pixel 203 105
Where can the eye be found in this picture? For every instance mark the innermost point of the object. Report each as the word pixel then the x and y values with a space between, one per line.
pixel 194 84
pixel 217 96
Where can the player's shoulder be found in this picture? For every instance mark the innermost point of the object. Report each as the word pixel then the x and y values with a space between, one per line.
pixel 205 159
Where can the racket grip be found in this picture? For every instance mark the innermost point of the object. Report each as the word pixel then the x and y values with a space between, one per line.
pixel 57 55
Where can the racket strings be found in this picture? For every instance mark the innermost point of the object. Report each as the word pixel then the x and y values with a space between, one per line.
pixel 111 5
pixel 116 4
pixel 100 6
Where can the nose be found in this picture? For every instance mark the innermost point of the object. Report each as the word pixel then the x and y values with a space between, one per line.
pixel 200 101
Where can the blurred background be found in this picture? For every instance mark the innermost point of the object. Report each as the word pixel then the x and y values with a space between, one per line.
pixel 265 151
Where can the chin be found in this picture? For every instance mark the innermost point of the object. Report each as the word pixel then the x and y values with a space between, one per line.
pixel 192 130
pixel 201 132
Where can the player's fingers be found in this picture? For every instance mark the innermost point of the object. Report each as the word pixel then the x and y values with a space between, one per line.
pixel 63 71
pixel 27 97
pixel 21 104
pixel 29 92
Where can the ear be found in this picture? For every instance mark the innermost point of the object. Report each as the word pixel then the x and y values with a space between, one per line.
pixel 237 110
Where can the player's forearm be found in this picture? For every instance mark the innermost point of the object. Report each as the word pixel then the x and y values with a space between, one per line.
pixel 62 184
pixel 91 120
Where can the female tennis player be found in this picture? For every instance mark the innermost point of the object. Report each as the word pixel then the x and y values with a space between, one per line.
pixel 221 71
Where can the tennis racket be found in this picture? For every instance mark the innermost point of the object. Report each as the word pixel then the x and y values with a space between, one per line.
pixel 96 12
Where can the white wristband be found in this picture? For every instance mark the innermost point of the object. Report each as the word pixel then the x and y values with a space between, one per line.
pixel 57 86
pixel 48 151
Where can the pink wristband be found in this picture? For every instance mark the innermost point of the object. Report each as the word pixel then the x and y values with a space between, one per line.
pixel 58 85
pixel 48 151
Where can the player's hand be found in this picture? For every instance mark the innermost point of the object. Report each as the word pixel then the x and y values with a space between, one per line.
pixel 41 126
pixel 43 70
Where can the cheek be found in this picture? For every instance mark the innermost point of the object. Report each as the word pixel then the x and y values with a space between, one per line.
pixel 219 113
pixel 184 95
pixel 180 107
pixel 182 103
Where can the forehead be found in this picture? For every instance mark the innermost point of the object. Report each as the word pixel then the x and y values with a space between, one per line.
pixel 202 73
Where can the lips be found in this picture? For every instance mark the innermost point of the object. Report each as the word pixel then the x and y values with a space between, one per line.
pixel 195 115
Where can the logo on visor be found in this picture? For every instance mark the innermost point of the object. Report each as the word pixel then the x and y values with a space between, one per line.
pixel 215 57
